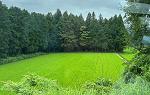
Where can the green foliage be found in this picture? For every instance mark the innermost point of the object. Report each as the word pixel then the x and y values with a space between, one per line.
pixel 67 33
pixel 22 32
pixel 138 27
pixel 138 87
pixel 31 84
pixel 139 65
pixel 101 86
pixel 37 30
pixel 140 1
pixel 136 30
pixel 129 53
pixel 4 44
pixel 130 50
pixel 4 31
pixel 84 39
pixel 147 75
pixel 16 17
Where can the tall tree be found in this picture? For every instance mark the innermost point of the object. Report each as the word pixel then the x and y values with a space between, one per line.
pixel 37 29
pixel 84 39
pixel 34 32
pixel 15 16
pixel 4 31
pixel 56 29
pixel 88 20
pixel 68 37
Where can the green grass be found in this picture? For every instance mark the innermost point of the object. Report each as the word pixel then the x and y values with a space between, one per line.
pixel 128 56
pixel 129 53
pixel 69 69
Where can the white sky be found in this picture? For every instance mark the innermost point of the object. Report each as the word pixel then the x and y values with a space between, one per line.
pixel 107 8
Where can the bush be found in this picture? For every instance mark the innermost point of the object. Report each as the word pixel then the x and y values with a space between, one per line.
pixel 139 66
pixel 33 84
pixel 147 76
pixel 101 86
pixel 138 87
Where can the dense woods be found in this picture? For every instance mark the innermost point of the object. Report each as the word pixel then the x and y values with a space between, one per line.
pixel 22 32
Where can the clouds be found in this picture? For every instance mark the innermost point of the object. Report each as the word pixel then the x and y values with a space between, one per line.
pixel 106 7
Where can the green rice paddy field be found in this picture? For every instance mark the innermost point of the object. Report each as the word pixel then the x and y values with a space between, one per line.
pixel 69 69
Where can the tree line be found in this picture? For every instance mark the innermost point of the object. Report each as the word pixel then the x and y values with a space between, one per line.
pixel 22 32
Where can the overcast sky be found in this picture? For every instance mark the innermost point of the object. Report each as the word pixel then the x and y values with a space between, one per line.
pixel 107 8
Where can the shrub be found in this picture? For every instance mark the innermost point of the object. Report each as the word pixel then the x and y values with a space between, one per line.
pixel 139 66
pixel 138 87
pixel 31 85
pixel 101 86
pixel 147 76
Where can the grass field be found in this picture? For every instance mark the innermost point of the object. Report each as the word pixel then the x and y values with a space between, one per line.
pixel 69 69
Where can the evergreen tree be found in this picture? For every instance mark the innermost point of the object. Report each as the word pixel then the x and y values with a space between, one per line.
pixel 4 31
pixel 22 32
pixel 57 17
pixel 37 29
pixel 88 20
pixel 68 37
pixel 15 16
pixel 84 38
